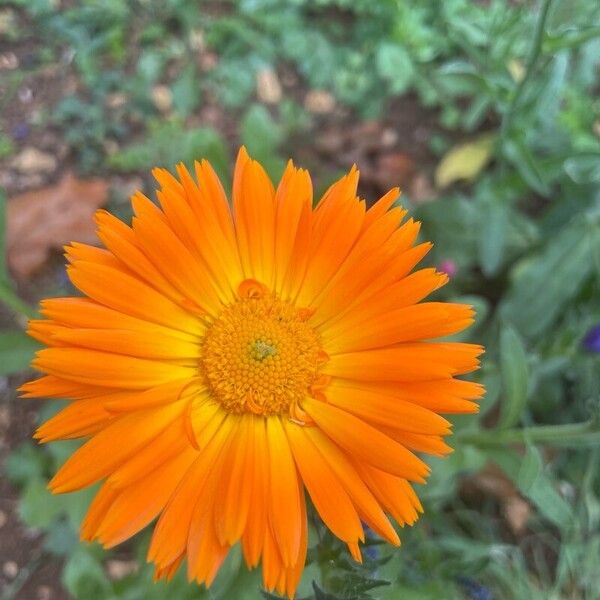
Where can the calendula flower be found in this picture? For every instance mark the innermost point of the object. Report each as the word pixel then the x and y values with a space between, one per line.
pixel 228 364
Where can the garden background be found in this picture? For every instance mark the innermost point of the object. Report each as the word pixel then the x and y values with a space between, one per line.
pixel 487 115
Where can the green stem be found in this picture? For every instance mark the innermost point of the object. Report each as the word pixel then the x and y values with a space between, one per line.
pixel 587 433
pixel 8 297
pixel 534 54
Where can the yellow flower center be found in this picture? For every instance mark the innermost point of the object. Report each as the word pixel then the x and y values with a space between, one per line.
pixel 260 355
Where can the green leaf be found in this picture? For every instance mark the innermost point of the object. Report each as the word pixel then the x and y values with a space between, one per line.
pixel 84 577
pixel 38 507
pixel 530 469
pixel 25 463
pixel 170 143
pixel 394 64
pixel 550 503
pixel 16 351
pixel 262 135
pixel 521 157
pixel 535 482
pixel 465 161
pixel 61 538
pixel 545 283
pixel 584 168
pixel 259 132
pixel 186 91
pixel 493 229
pixel 515 377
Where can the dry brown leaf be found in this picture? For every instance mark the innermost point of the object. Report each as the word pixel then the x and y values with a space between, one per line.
pixel 493 482
pixel 393 169
pixel 46 219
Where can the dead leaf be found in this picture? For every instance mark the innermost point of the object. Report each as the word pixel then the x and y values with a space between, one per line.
pixel 517 512
pixel 493 482
pixel 465 161
pixel 46 219
pixel 516 68
pixel 393 169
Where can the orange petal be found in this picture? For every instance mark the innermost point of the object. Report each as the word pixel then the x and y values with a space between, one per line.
pixel 81 418
pixel 406 362
pixel 107 369
pixel 125 293
pixel 327 493
pixel 100 456
pixel 284 504
pixel 366 442
pixel 385 410
pixel 368 508
pixel 138 504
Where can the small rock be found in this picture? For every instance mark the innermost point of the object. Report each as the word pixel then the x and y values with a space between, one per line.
pixel 116 100
pixel 421 190
pixel 8 61
pixel 125 187
pixel 208 61
pixel 67 56
pixel 43 592
pixel 31 160
pixel 117 569
pixel 196 40
pixel 10 568
pixel 389 137
pixel 268 88
pixel 319 102
pixel 25 95
pixel 110 146
pixel 162 98
pixel 4 417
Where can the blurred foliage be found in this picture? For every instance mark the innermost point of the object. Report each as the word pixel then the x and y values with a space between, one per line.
pixel 518 215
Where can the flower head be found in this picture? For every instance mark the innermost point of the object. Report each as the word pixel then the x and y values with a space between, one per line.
pixel 228 364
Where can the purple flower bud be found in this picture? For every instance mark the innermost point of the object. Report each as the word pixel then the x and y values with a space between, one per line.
pixel 20 131
pixel 591 341
pixel 448 266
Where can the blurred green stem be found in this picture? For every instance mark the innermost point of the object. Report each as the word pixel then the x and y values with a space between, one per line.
pixel 8 297
pixel 534 54
pixel 573 434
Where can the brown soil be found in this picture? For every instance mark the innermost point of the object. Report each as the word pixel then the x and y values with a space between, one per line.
pixel 27 572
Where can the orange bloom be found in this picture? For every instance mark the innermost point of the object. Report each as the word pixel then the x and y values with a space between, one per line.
pixel 225 363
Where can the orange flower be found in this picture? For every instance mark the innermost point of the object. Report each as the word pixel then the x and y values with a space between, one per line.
pixel 225 363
